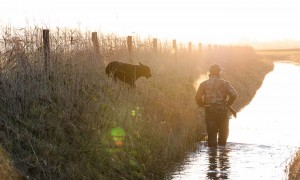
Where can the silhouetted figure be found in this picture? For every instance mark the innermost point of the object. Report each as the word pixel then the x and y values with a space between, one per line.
pixel 212 94
pixel 127 73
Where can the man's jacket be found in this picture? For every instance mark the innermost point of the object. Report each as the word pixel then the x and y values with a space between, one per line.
pixel 215 90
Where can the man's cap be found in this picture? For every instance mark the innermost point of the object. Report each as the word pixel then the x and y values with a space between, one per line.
pixel 215 69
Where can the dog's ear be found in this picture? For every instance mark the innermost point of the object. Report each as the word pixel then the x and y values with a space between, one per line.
pixel 141 64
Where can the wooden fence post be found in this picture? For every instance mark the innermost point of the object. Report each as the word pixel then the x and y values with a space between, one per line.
pixel 200 48
pixel 46 48
pixel 209 47
pixel 95 43
pixel 129 45
pixel 155 45
pixel 190 47
pixel 174 45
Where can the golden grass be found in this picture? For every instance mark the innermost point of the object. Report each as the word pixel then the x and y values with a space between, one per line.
pixel 289 54
pixel 294 168
pixel 73 122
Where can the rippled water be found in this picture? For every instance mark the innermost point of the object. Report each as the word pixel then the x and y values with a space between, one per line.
pixel 262 140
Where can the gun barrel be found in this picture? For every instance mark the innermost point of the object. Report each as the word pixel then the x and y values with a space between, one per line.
pixel 234 113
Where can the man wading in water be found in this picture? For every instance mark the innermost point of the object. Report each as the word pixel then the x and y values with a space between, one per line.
pixel 212 95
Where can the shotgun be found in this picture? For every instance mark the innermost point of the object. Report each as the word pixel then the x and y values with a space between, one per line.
pixel 234 113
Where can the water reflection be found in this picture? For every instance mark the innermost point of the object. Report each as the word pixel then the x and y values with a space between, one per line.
pixel 237 161
pixel 218 166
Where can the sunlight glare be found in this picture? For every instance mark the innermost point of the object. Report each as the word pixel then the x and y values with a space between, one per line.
pixel 197 83
pixel 206 21
pixel 118 135
pixel 273 115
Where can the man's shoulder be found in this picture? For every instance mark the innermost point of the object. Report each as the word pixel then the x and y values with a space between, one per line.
pixel 224 80
pixel 218 79
pixel 204 82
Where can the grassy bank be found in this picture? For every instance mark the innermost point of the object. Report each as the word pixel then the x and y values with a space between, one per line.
pixel 294 168
pixel 72 122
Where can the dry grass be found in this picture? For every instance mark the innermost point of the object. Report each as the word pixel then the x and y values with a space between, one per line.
pixel 294 168
pixel 290 55
pixel 73 122
pixel 7 171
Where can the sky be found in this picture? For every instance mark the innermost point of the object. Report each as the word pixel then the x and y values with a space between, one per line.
pixel 206 21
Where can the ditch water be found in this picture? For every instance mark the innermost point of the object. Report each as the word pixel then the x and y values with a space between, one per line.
pixel 263 138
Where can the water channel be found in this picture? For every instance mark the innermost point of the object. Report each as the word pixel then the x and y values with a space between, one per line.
pixel 263 138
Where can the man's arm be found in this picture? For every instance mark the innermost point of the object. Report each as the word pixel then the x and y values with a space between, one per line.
pixel 231 93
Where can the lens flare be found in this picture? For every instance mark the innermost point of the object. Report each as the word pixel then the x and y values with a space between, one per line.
pixel 133 113
pixel 118 135
pixel 136 113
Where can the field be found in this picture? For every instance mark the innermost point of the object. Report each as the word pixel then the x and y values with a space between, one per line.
pixel 66 119
pixel 280 54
